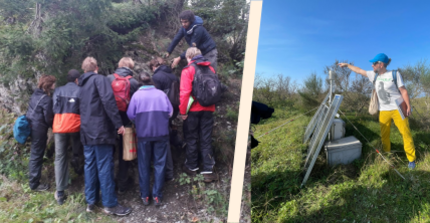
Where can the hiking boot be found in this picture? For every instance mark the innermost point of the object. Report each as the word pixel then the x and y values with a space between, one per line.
pixel 411 165
pixel 188 171
pixel 157 201
pixel 42 187
pixel 224 88
pixel 121 191
pixel 79 169
pixel 117 210
pixel 145 201
pixel 210 177
pixel 60 197
pixel 168 179
pixel 90 208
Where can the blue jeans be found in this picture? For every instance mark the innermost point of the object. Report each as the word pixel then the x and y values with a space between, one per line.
pixel 157 151
pixel 99 174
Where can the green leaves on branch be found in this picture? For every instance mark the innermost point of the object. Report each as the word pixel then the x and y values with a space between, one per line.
pixel 66 33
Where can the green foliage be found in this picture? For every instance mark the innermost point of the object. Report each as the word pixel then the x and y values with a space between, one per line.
pixel 13 156
pixel 15 11
pixel 312 91
pixel 417 78
pixel 356 91
pixel 68 32
pixel 224 144
pixel 125 18
pixel 278 91
pixel 184 179
pixel 232 69
pixel 232 114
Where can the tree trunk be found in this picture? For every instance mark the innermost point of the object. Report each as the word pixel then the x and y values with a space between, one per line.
pixel 35 27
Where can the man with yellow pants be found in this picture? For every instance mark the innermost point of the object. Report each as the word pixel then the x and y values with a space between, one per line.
pixel 389 87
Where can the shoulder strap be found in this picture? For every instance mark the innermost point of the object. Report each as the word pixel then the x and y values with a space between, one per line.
pixel 117 76
pixel 37 104
pixel 394 72
pixel 374 79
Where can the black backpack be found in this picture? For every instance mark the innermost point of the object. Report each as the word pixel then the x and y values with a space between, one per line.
pixel 173 94
pixel 206 86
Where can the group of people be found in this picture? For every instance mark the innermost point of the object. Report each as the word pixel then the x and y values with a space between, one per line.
pixel 91 110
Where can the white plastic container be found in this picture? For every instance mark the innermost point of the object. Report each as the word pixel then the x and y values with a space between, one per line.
pixel 343 151
pixel 337 130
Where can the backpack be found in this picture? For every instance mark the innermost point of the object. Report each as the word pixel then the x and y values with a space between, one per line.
pixel 22 128
pixel 173 94
pixel 394 73
pixel 121 91
pixel 206 86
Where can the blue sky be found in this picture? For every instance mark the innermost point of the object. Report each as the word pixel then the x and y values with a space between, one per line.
pixel 298 38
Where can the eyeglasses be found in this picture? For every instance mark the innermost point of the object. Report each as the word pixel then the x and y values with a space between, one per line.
pixel 374 63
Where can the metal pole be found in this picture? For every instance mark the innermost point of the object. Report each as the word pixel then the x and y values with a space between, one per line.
pixel 330 77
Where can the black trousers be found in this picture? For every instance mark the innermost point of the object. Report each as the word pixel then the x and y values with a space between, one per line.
pixel 174 140
pixel 122 175
pixel 198 128
pixel 38 145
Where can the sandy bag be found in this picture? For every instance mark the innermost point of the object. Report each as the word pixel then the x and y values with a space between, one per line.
pixel 129 144
pixel 373 107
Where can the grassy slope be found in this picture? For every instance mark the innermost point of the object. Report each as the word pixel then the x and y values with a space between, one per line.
pixel 367 190
pixel 19 204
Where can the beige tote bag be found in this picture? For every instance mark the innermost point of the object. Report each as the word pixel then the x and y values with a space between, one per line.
pixel 129 144
pixel 373 107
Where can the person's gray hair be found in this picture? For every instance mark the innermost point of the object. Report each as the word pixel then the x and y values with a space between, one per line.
pixel 192 52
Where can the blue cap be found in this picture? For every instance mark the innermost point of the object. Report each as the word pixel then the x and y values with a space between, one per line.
pixel 380 57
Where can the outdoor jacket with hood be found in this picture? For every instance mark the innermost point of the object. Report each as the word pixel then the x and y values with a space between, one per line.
pixel 163 77
pixel 99 113
pixel 195 33
pixel 66 109
pixel 186 87
pixel 42 116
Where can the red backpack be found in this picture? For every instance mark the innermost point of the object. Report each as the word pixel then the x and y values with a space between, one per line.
pixel 121 90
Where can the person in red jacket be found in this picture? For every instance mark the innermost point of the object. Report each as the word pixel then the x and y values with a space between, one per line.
pixel 67 124
pixel 198 122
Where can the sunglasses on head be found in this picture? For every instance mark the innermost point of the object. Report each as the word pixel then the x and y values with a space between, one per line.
pixel 374 63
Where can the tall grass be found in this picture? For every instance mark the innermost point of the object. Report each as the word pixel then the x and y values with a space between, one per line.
pixel 366 190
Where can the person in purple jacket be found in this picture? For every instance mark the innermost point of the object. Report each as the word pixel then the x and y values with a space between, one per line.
pixel 150 110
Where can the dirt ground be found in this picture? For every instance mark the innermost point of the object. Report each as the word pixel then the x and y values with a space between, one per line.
pixel 179 206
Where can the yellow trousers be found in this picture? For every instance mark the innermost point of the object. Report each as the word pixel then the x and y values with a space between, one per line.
pixel 403 126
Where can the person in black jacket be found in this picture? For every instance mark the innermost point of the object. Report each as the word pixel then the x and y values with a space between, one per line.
pixel 99 121
pixel 163 79
pixel 40 117
pixel 195 35
pixel 125 66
